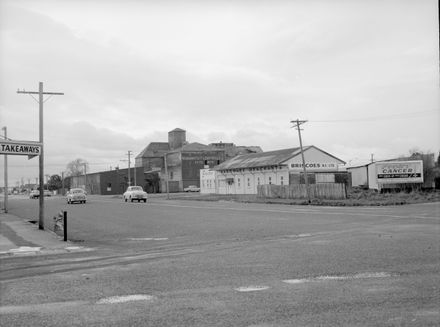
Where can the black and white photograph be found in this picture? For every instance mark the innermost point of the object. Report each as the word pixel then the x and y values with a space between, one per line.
pixel 219 163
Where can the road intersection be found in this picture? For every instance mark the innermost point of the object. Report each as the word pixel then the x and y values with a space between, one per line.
pixel 193 263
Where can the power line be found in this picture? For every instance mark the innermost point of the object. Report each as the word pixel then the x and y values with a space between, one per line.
pixel 375 118
pixel 60 165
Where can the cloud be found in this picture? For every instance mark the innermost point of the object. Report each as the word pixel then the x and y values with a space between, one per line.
pixel 223 71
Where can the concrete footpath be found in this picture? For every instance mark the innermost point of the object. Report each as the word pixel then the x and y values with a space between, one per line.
pixel 20 237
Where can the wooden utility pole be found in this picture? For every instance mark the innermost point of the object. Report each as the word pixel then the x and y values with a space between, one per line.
pixel 62 183
pixel 166 175
pixel 6 172
pixel 40 101
pixel 85 177
pixel 297 125
pixel 129 177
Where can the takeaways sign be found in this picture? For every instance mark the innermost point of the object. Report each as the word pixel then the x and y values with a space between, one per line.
pixel 400 172
pixel 24 148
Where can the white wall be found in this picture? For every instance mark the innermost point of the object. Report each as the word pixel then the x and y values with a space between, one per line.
pixel 208 183
pixel 372 177
pixel 246 182
pixel 359 175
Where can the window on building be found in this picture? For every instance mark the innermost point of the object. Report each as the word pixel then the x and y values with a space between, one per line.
pixel 238 182
pixel 249 182
pixel 258 180
pixel 282 180
pixel 171 175
pixel 270 180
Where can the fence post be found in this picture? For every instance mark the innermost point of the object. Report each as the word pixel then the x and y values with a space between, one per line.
pixel 65 226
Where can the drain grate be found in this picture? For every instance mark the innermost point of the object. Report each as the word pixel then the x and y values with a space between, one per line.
pixel 33 221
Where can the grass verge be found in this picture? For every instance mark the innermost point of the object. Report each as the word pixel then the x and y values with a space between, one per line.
pixel 355 197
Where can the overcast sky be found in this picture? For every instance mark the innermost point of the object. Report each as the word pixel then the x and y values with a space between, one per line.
pixel 365 74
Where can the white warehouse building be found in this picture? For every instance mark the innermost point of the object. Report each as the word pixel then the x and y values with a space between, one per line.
pixel 243 173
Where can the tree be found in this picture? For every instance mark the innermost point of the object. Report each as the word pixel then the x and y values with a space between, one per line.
pixel 54 183
pixel 428 159
pixel 76 167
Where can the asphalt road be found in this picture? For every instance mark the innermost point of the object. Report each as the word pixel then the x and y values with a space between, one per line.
pixel 193 263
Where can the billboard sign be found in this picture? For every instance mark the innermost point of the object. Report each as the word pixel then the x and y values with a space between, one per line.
pixel 23 148
pixel 394 172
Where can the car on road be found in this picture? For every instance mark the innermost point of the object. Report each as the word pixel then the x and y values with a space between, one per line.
pixel 192 188
pixel 35 194
pixel 135 193
pixel 47 193
pixel 76 195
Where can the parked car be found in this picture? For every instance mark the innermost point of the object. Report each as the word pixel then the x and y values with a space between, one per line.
pixel 35 194
pixel 135 193
pixel 47 193
pixel 192 188
pixel 76 195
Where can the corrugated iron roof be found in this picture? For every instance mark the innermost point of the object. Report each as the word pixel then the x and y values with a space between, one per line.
pixel 154 149
pixel 261 159
pixel 264 159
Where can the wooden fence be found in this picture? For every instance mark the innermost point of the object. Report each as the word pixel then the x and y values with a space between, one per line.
pixel 298 191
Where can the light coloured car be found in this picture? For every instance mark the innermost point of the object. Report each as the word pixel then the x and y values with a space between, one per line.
pixel 192 188
pixel 35 194
pixel 76 195
pixel 135 193
pixel 47 193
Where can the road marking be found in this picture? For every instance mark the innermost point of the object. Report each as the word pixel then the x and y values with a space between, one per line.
pixel 148 239
pixel 39 307
pixel 365 275
pixel 126 298
pixel 25 250
pixel 251 288
pixel 296 281
pixel 300 235
pixel 72 248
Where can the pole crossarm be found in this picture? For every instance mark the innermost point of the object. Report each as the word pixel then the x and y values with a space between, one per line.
pixel 298 123
pixel 45 93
